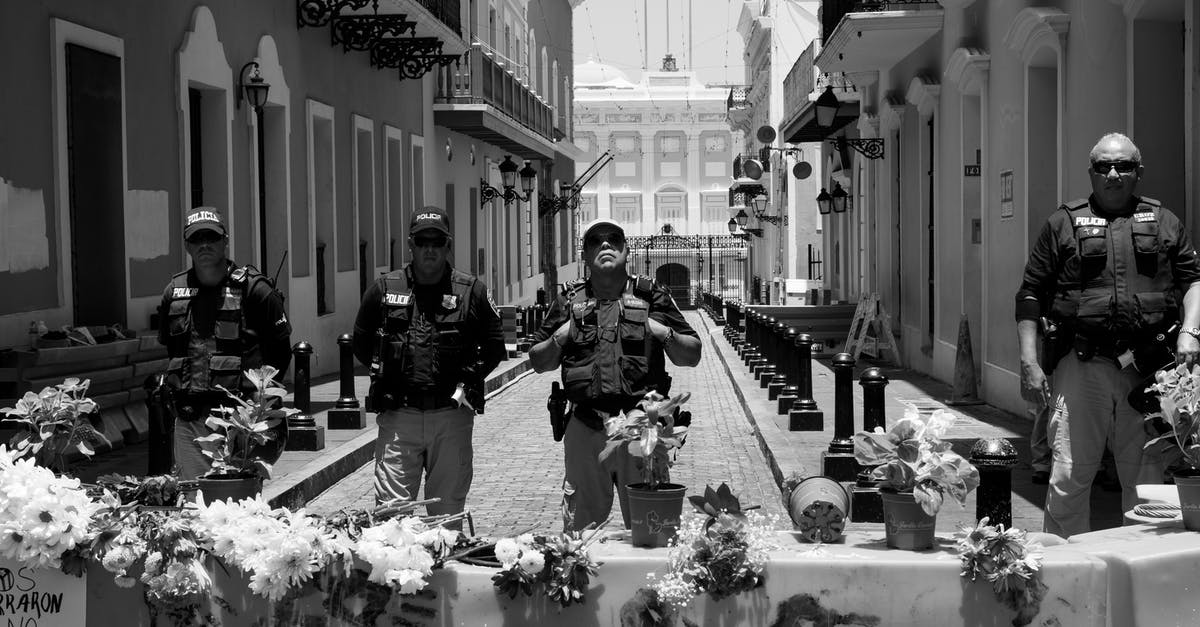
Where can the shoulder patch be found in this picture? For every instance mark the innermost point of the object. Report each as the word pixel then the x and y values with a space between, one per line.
pixel 1144 216
pixel 1150 201
pixel 1090 221
pixel 184 292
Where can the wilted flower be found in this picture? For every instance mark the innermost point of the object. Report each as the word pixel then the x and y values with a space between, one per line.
pixel 1009 561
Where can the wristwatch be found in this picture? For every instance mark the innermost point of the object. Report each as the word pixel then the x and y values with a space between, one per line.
pixel 667 341
pixel 1192 331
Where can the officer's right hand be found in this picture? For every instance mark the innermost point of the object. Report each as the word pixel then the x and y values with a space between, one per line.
pixel 1035 387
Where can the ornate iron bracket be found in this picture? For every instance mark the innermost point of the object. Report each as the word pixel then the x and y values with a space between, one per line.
pixel 487 193
pixel 320 12
pixel 869 147
pixel 414 56
pixel 772 220
pixel 362 32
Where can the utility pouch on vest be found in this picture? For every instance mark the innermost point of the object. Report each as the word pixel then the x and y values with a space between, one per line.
pixel 1093 249
pixel 1145 246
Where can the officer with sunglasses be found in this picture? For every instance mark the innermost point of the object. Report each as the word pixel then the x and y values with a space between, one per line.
pixel 1110 275
pixel 609 333
pixel 217 320
pixel 430 336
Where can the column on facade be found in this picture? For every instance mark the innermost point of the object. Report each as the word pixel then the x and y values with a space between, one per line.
pixel 649 183
pixel 695 217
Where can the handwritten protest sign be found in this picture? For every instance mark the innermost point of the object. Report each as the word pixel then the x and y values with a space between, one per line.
pixel 40 597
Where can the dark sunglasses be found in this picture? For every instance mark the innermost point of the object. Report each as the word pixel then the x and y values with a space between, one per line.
pixel 614 239
pixel 429 242
pixel 205 237
pixel 1122 167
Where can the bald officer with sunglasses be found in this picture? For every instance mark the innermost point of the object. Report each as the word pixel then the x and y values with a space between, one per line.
pixel 431 336
pixel 1111 273
pixel 609 334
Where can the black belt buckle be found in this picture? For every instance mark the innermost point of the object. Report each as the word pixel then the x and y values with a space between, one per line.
pixel 426 402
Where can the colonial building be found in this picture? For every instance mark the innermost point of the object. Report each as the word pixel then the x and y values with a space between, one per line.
pixel 124 115
pixel 972 123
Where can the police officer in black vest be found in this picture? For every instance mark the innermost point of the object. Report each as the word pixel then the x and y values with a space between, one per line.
pixel 1110 273
pixel 217 320
pixel 430 336
pixel 609 334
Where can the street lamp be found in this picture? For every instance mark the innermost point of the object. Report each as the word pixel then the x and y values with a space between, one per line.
pixel 826 105
pixel 839 197
pixel 824 202
pixel 509 171
pixel 742 218
pixel 255 90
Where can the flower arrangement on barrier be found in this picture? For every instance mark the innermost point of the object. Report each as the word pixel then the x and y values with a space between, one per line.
pixel 239 431
pixel 1178 391
pixel 913 457
pixel 1009 561
pixel 42 516
pixel 650 431
pixel 56 421
pixel 723 552
pixel 560 564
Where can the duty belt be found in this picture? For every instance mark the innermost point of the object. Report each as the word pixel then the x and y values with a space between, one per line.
pixel 426 400
pixel 1110 348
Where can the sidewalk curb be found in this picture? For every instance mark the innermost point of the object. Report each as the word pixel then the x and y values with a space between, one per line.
pixel 299 487
pixel 772 462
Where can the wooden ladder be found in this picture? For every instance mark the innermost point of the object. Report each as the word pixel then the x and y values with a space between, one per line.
pixel 871 321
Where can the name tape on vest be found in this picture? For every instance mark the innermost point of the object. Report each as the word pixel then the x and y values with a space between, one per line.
pixel 1090 221
pixel 399 300
pixel 184 292
pixel 1144 216
pixel 202 216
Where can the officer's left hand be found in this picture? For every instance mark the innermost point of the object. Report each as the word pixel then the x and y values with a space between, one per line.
pixel 1187 349
pixel 658 329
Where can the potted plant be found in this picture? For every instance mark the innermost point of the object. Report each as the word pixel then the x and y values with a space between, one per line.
pixel 649 431
pixel 1176 444
pixel 915 470
pixel 57 424
pixel 240 432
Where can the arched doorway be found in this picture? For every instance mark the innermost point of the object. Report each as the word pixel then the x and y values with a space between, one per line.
pixel 677 278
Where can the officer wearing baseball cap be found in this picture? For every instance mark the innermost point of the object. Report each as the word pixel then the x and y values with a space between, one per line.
pixel 609 334
pixel 217 321
pixel 430 336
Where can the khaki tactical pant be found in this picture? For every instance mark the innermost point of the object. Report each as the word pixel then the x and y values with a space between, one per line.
pixel 588 487
pixel 436 442
pixel 1090 409
pixel 190 461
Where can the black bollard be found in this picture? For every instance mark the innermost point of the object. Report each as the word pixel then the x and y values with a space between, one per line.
pixel 777 382
pixel 767 366
pixel 523 344
pixel 805 415
pixel 304 434
pixel 791 391
pixel 347 413
pixel 995 458
pixel 866 504
pixel 838 462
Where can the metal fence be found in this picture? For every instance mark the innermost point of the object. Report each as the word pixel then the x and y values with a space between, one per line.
pixel 689 265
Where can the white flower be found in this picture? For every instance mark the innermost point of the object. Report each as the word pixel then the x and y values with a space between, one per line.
pixel 508 551
pixel 532 561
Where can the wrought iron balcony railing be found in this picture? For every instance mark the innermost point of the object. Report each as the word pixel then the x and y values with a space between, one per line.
pixel 805 79
pixel 739 98
pixel 833 10
pixel 480 80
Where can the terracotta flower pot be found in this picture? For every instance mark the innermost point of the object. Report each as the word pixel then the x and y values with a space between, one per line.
pixel 1187 482
pixel 654 514
pixel 906 525
pixel 224 488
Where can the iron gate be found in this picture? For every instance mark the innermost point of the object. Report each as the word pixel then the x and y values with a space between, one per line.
pixel 689 265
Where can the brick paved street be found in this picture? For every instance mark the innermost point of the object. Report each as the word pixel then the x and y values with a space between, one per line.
pixel 518 466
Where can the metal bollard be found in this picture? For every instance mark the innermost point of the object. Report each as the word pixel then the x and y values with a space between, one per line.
pixel 995 458
pixel 805 415
pixel 866 504
pixel 523 344
pixel 779 380
pixel 791 390
pixel 873 382
pixel 304 434
pixel 766 346
pixel 838 461
pixel 347 413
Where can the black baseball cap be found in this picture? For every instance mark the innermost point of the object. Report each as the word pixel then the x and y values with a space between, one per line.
pixel 203 219
pixel 430 218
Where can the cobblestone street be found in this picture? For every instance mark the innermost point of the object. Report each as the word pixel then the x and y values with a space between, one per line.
pixel 519 467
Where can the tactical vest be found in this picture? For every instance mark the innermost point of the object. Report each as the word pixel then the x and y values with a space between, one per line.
pixel 427 353
pixel 609 360
pixel 1118 281
pixel 200 363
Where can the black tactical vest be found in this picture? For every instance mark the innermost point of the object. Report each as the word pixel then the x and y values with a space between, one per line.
pixel 201 364
pixel 1118 281
pixel 426 354
pixel 612 345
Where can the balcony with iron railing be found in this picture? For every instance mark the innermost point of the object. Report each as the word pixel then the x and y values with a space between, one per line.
pixel 804 82
pixel 739 108
pixel 486 78
pixel 449 12
pixel 832 11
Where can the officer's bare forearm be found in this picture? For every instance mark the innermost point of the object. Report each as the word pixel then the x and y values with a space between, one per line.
pixel 545 355
pixel 1191 306
pixel 684 350
pixel 1027 338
